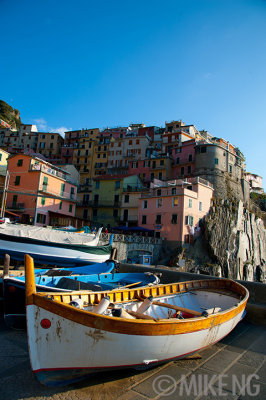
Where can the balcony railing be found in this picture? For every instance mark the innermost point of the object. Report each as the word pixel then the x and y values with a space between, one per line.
pixel 63 195
pixel 15 206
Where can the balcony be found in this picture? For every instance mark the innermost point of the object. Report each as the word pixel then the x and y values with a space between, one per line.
pixel 106 203
pixel 47 170
pixel 15 206
pixel 61 195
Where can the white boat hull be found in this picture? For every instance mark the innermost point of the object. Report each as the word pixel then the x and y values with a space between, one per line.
pixel 50 254
pixel 68 346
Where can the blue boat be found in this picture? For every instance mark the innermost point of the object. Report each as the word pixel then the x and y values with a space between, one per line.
pixel 66 280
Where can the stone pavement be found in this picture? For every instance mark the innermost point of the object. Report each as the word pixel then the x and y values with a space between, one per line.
pixel 226 367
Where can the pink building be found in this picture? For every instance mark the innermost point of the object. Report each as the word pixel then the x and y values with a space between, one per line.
pixel 174 208
pixel 38 189
pixel 183 159
pixel 255 182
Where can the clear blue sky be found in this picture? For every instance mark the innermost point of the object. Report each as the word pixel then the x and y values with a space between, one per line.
pixel 77 64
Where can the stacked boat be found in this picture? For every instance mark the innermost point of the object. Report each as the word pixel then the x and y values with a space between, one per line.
pixel 48 246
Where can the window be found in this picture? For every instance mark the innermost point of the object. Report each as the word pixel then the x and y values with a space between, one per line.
pixel 70 208
pixel 200 205
pixel 159 192
pixel 161 162
pixel 87 152
pixel 115 213
pixel 203 149
pixel 126 198
pixel 60 205
pixel 178 160
pixel 173 190
pixel 175 201
pixel 189 169
pixel 43 201
pixel 182 170
pixel 52 137
pixel 137 141
pixel 117 184
pixel 134 165
pixel 130 142
pixel 190 203
pixel 145 204
pixel 14 200
pixel 97 185
pixel 159 203
pixel 95 212
pixel 160 175
pixel 189 220
pixel 51 145
pixel 174 219
pixel 216 161
pixel 17 180
pixel 43 136
pixel 19 164
pixel 152 176
pixel 144 219
pixel 230 169
pixel 42 145
pixel 41 218
pixel 158 219
pixel 85 213
pixel 98 155
pixel 62 189
pixel 190 157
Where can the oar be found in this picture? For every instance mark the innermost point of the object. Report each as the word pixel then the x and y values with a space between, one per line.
pixel 131 284
pixel 172 307
pixel 140 315
pixel 177 308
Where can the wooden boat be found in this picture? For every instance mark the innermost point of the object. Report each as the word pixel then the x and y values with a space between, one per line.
pixel 71 249
pixel 68 343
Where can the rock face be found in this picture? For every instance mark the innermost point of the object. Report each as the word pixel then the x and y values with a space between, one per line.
pixel 9 115
pixel 235 239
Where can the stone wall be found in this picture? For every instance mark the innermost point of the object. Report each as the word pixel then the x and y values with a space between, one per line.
pixel 139 244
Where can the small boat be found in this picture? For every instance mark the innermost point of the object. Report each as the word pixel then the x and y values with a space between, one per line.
pixel 125 328
pixel 48 246
pixel 53 279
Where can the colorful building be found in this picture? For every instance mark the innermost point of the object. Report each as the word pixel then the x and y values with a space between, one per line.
pixel 49 144
pixel 174 208
pixel 38 189
pixel 107 198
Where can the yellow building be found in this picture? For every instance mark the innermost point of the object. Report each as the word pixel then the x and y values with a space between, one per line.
pixel 49 144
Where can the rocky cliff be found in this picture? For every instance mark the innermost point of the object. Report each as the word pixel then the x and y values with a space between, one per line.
pixel 235 239
pixel 9 115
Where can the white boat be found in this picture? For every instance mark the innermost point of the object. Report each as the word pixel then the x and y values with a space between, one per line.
pixel 68 343
pixel 48 246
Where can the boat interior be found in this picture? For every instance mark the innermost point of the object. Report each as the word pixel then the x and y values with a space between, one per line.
pixel 178 300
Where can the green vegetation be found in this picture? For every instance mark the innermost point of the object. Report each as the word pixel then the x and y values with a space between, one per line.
pixel 259 199
pixel 9 115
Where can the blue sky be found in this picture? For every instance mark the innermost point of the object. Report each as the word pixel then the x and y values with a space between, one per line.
pixel 77 64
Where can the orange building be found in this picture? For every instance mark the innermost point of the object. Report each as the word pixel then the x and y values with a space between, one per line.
pixel 40 192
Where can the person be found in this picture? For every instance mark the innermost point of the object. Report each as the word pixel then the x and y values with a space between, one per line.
pixel 106 230
pixel 94 230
